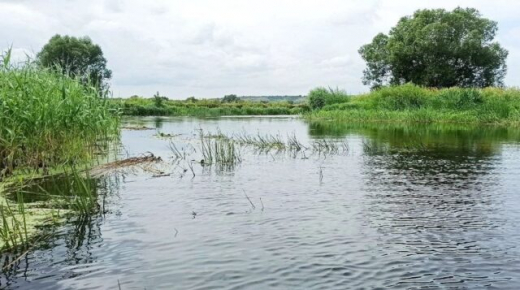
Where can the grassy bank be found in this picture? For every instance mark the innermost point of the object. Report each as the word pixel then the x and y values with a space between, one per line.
pixel 48 123
pixel 137 106
pixel 412 104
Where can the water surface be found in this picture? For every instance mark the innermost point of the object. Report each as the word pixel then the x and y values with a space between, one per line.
pixel 406 207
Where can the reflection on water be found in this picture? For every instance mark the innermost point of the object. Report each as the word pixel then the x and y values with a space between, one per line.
pixel 411 207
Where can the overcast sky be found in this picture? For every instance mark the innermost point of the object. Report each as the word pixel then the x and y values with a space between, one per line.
pixel 209 48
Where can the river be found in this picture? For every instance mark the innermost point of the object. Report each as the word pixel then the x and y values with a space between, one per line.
pixel 393 206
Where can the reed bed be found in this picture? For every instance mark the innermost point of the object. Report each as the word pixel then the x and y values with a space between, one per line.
pixel 225 150
pixel 49 120
pixel 221 152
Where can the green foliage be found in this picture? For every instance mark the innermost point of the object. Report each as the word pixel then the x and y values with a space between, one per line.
pixel 320 97
pixel 76 57
pixel 158 100
pixel 137 106
pixel 230 99
pixel 48 119
pixel 317 98
pixel 410 103
pixel 437 48
pixel 275 98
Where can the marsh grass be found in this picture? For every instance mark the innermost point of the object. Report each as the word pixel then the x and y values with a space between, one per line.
pixel 326 146
pixel 221 152
pixel 226 150
pixel 48 120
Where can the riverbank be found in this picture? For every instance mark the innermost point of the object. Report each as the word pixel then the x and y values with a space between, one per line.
pixel 413 104
pixel 137 106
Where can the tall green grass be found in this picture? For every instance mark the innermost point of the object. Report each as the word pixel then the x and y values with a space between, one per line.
pixel 48 119
pixel 410 103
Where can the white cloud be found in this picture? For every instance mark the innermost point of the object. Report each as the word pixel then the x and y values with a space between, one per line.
pixel 211 48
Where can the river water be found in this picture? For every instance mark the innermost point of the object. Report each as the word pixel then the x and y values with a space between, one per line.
pixel 400 207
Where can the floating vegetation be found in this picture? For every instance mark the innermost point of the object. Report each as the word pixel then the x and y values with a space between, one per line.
pixel 217 135
pixel 143 161
pixel 22 212
pixel 137 128
pixel 166 135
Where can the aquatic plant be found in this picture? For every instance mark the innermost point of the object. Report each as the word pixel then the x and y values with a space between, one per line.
pixel 326 146
pixel 219 151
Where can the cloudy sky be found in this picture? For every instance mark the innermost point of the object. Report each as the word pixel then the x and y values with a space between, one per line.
pixel 208 48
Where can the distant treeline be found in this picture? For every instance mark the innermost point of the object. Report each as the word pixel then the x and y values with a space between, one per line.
pixel 293 99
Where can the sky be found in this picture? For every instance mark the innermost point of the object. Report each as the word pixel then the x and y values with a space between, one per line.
pixel 210 48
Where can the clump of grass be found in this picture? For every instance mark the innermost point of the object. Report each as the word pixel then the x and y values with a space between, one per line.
pixel 294 144
pixel 48 119
pixel 222 152
pixel 326 146
pixel 261 142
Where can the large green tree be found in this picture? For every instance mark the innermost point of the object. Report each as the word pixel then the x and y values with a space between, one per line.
pixel 437 48
pixel 77 57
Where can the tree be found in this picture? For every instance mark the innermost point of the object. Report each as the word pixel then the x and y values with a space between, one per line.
pixel 437 48
pixel 230 99
pixel 317 98
pixel 158 100
pixel 76 57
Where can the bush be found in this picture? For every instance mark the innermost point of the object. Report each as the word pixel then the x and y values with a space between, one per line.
pixel 317 98
pixel 320 97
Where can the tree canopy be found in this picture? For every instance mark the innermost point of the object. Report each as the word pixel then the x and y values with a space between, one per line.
pixel 437 48
pixel 76 57
pixel 230 99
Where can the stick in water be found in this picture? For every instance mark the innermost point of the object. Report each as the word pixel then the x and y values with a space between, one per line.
pixel 250 200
